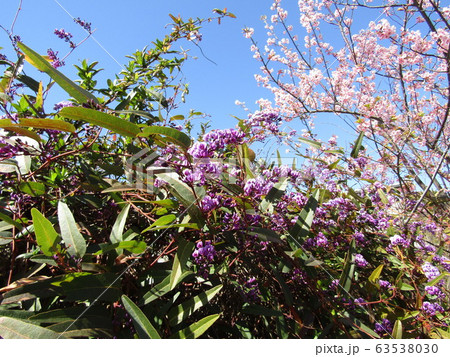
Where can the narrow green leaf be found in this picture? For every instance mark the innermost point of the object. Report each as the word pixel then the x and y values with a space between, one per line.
pixel 132 246
pixel 357 145
pixel 311 142
pixel 197 329
pixel 74 241
pixel 349 320
pixel 162 288
pixel 438 279
pixel 397 331
pixel 13 328
pixel 104 120
pixel 180 312
pixel 373 278
pixel 52 124
pixel 186 196
pixel 9 220
pixel 275 193
pixel 80 94
pixel 264 234
pixel 300 231
pixel 116 235
pixel 348 272
pixel 164 220
pixel 46 236
pixel 143 326
pixel 175 136
pixel 34 189
pixel 184 251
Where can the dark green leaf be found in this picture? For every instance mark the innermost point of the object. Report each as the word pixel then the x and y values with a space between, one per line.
pixel 357 145
pixel 348 272
pixel 172 135
pixel 46 236
pixel 184 251
pixel 14 328
pixel 80 94
pixel 180 312
pixel 104 120
pixel 74 241
pixel 197 329
pixel 143 326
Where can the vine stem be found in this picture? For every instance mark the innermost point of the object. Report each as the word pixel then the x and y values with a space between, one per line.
pixel 15 17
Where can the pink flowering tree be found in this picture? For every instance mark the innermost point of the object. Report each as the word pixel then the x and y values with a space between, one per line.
pixel 380 67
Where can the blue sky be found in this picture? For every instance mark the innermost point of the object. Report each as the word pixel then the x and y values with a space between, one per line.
pixel 123 27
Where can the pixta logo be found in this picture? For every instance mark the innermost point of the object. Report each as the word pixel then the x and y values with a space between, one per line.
pixel 141 171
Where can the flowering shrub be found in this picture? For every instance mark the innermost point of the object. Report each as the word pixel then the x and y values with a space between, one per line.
pixel 114 223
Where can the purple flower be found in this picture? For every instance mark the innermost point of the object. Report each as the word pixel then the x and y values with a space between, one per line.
pixel 398 240
pixel 66 36
pixel 83 24
pixel 385 327
pixel 321 240
pixel 430 271
pixel 63 104
pixel 203 255
pixel 56 62
pixel 360 261
pixel 384 284
pixel 251 290
pixel 434 291
pixel 431 309
pixel 209 202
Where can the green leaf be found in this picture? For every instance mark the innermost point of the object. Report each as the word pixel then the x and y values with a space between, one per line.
pixel 264 234
pixel 373 278
pixel 164 220
pixel 103 287
pixel 175 136
pixel 9 220
pixel 143 326
pixel 116 235
pixel 180 312
pixel 132 246
pixel 34 189
pixel 275 193
pixel 14 328
pixel 184 251
pixel 358 325
pixel 186 196
pixel 348 272
pixel 52 124
pixel 74 241
pixel 104 120
pixel 80 94
pixel 357 145
pixel 397 331
pixel 300 231
pixel 313 143
pixel 162 288
pixel 437 279
pixel 46 236
pixel 68 314
pixel 197 329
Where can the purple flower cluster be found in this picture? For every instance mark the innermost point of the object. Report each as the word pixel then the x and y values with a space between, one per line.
pixel 360 261
pixel 214 141
pixel 263 123
pixel 434 291
pixel 63 104
pixel 84 24
pixel 209 202
pixel 384 284
pixel 203 255
pixel 3 57
pixel 66 36
pixel 397 240
pixel 432 308
pixel 251 291
pixel 430 271
pixel 257 187
pixel 53 56
pixel 385 327
pixel 7 150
